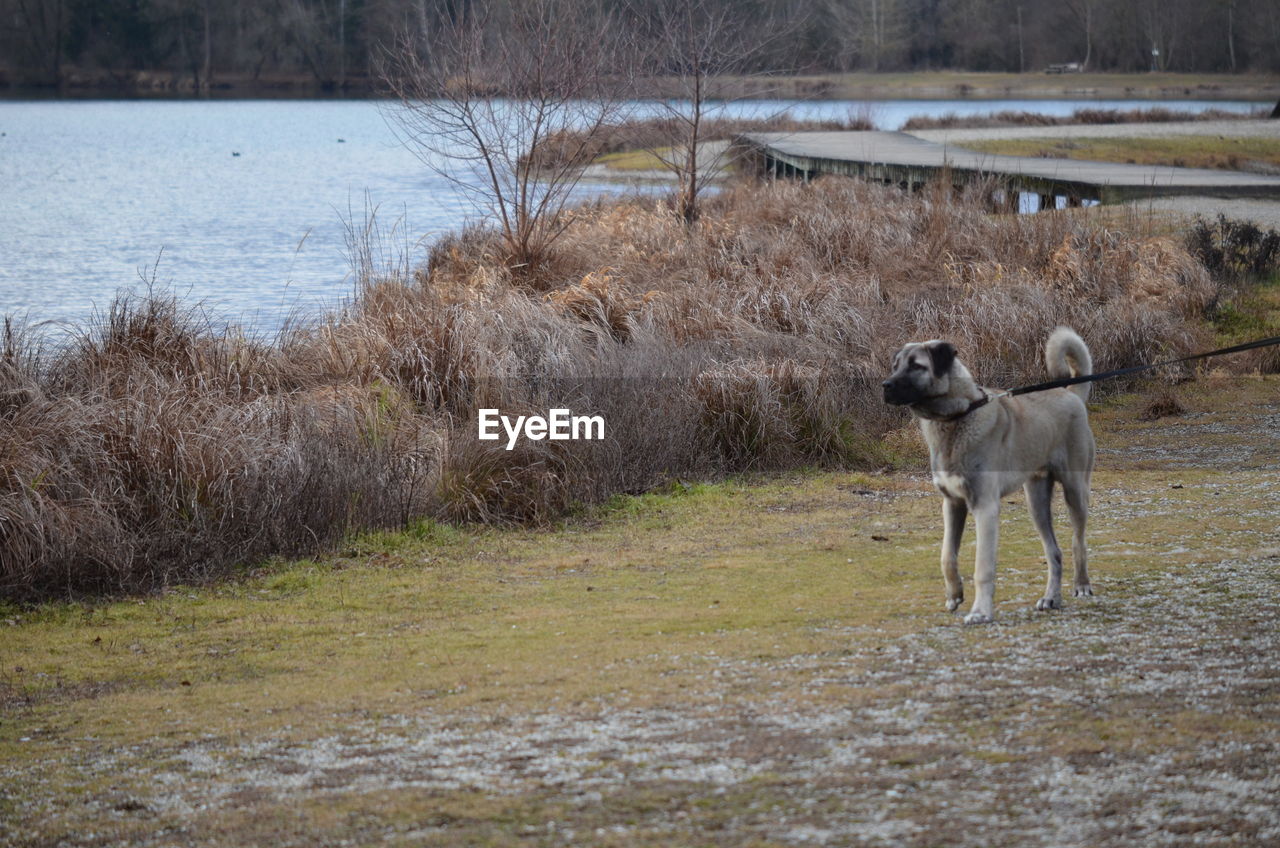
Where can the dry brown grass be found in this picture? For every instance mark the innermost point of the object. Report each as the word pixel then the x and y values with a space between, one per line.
pixel 156 448
pixel 1162 404
pixel 1012 118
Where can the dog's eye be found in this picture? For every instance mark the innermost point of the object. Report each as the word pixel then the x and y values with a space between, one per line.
pixel 914 366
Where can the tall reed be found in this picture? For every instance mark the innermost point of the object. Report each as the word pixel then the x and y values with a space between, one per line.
pixel 156 448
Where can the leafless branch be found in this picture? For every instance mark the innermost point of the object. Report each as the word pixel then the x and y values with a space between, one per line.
pixel 487 89
pixel 695 46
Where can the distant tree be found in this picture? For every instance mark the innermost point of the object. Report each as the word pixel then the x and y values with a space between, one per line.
pixel 698 52
pixel 490 89
pixel 1230 6
pixel 1163 24
pixel 42 28
pixel 254 41
pixel 1084 12
pixel 338 42
pixel 318 31
pixel 1260 34
pixel 870 31
pixel 182 31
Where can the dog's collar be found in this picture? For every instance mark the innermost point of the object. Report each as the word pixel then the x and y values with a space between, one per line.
pixel 973 404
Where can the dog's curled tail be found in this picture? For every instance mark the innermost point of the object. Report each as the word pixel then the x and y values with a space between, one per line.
pixel 1066 355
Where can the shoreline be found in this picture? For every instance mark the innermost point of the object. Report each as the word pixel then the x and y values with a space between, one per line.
pixel 916 85
pixel 927 85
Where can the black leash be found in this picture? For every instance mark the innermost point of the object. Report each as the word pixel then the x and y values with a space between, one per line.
pixel 1134 369
pixel 1093 378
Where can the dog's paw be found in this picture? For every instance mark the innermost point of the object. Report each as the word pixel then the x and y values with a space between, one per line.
pixel 977 618
pixel 1049 604
pixel 954 603
pixel 1085 591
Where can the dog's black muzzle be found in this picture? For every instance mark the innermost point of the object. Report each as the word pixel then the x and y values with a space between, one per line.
pixel 896 394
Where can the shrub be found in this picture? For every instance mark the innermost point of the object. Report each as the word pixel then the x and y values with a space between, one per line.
pixel 1163 404
pixel 1232 249
pixel 156 448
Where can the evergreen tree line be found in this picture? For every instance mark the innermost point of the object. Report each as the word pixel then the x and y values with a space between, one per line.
pixel 338 44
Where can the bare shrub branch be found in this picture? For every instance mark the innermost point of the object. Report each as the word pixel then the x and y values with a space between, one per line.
pixel 694 47
pixel 481 90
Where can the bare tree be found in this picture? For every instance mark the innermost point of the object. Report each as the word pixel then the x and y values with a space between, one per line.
pixel 1083 11
pixel 700 49
pixel 187 26
pixel 1231 32
pixel 318 31
pixel 871 29
pixel 1162 24
pixel 493 90
pixel 44 25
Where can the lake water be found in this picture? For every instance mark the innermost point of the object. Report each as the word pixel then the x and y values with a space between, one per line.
pixel 96 196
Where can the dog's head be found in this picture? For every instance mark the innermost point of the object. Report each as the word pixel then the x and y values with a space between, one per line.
pixel 921 372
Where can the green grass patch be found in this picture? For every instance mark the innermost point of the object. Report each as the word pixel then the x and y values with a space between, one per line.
pixel 1196 151
pixel 636 160
pixel 1253 313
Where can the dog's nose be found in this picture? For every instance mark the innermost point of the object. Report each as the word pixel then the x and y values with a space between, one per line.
pixel 885 384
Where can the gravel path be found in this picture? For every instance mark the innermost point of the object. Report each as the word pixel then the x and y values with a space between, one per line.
pixel 1264 213
pixel 947 737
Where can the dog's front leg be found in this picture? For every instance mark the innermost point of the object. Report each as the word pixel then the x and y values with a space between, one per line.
pixel 987 518
pixel 954 512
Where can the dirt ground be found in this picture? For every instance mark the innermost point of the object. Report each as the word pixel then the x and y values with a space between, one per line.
pixel 783 698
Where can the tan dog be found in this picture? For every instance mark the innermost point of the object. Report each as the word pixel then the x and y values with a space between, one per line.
pixel 982 448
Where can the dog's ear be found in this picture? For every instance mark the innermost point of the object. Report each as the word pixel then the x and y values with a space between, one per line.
pixel 942 355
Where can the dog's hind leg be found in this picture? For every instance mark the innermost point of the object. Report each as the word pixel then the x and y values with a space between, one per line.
pixel 987 518
pixel 1039 501
pixel 954 512
pixel 1075 489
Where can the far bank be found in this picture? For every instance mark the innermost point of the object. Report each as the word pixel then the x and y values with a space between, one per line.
pixel 923 85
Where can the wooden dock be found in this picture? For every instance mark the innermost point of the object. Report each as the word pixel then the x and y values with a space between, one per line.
pixel 902 159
